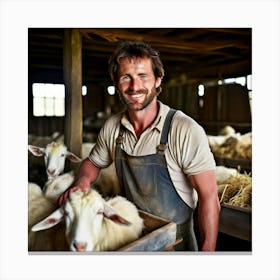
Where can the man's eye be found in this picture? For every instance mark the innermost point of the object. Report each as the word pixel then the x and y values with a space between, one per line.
pixel 124 78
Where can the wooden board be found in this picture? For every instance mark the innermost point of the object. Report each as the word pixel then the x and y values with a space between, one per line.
pixel 236 221
pixel 158 235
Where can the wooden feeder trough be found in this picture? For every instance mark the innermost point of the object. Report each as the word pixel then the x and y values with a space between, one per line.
pixel 236 221
pixel 159 235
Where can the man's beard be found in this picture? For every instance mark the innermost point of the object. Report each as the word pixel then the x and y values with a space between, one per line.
pixel 135 105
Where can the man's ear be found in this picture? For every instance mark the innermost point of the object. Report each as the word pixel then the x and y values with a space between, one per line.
pixel 158 81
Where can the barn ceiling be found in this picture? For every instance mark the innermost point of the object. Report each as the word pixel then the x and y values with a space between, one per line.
pixel 192 53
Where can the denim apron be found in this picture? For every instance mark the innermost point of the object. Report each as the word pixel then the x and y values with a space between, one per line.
pixel 145 180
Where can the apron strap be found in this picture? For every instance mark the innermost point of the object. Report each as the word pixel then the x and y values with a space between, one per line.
pixel 164 134
pixel 119 139
pixel 118 165
pixel 160 148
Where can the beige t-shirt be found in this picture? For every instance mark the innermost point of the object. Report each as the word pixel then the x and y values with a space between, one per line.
pixel 187 152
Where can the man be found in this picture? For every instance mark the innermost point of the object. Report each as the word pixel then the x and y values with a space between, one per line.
pixel 162 157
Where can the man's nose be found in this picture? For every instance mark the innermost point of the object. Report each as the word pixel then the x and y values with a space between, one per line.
pixel 134 85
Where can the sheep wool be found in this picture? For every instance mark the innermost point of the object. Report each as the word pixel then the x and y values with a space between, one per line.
pixel 38 208
pixel 93 224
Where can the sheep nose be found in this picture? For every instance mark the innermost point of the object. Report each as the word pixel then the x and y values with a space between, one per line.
pixel 51 171
pixel 80 246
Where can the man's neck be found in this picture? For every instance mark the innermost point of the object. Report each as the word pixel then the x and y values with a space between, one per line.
pixel 142 119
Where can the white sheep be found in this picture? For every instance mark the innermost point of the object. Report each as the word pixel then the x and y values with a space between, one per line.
pixel 54 187
pixel 56 153
pixel 54 156
pixel 222 173
pixel 244 146
pixel 93 224
pixel 38 208
pixel 227 130
pixel 107 183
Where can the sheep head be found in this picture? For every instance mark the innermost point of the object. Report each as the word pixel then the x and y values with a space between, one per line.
pixel 83 214
pixel 54 157
pixel 54 187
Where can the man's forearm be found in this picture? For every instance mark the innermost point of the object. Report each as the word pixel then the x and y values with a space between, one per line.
pixel 87 174
pixel 208 219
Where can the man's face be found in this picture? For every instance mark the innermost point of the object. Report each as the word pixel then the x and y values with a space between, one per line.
pixel 137 83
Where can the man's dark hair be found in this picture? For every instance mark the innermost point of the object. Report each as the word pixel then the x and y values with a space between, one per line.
pixel 130 50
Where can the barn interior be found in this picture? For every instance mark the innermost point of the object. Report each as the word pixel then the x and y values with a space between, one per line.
pixel 208 74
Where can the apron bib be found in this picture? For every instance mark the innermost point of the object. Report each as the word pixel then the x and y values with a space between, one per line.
pixel 145 180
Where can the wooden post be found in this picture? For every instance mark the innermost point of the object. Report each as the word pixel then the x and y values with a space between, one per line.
pixel 72 68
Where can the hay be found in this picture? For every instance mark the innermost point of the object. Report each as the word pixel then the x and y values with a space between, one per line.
pixel 236 190
pixel 243 198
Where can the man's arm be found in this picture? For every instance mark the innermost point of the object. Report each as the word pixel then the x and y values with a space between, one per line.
pixel 87 174
pixel 208 208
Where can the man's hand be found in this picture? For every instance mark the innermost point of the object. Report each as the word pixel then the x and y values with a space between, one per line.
pixel 64 196
pixel 87 173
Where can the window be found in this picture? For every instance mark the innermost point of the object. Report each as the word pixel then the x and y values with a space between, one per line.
pixel 244 81
pixel 49 99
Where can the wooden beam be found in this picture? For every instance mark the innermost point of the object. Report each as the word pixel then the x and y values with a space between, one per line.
pixel 114 35
pixel 72 69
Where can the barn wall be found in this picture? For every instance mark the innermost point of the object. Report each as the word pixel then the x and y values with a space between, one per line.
pixel 182 97
pixel 222 105
pixel 226 105
pixel 94 100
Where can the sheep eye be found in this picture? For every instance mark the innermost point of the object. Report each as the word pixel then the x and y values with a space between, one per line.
pixel 100 211
pixel 62 155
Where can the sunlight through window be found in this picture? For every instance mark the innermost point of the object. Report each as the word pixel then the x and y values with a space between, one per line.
pixel 49 99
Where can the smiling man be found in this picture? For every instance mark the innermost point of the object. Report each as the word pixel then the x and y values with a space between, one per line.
pixel 162 157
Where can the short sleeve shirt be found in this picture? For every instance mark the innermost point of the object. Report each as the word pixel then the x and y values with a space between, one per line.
pixel 187 152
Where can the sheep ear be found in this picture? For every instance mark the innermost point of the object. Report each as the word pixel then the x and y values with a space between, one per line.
pixel 73 157
pixel 52 220
pixel 36 151
pixel 110 213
